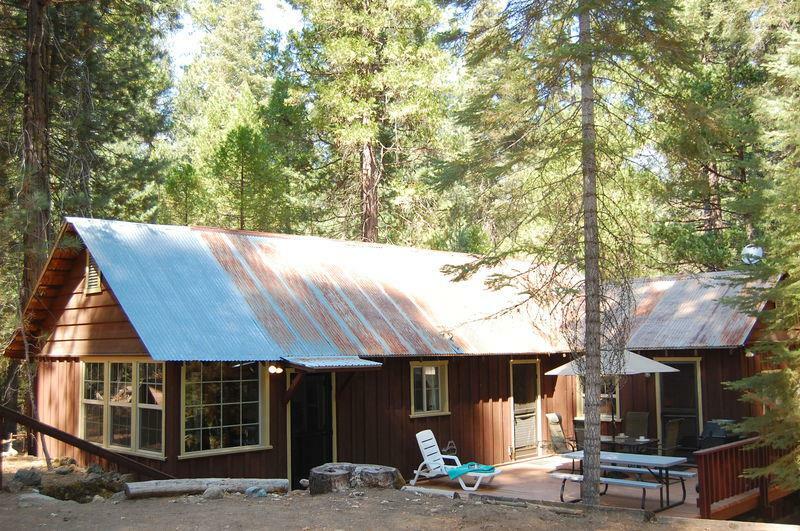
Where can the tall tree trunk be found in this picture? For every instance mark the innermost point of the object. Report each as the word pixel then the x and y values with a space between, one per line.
pixel 592 334
pixel 370 177
pixel 35 194
pixel 713 217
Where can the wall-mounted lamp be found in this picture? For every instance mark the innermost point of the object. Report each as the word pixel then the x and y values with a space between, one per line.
pixel 275 370
pixel 749 354
pixel 647 375
pixel 563 355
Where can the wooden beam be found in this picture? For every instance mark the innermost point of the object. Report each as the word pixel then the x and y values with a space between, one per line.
pixel 298 378
pixel 82 444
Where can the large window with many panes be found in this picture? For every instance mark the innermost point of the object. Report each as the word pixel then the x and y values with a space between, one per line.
pixel 222 407
pixel 123 405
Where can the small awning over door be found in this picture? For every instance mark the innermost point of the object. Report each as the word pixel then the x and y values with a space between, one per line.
pixel 331 363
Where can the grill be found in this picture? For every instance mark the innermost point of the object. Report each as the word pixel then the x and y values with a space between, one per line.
pixel 717 432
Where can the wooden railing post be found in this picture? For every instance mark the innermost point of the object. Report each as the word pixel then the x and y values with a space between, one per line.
pixel 702 481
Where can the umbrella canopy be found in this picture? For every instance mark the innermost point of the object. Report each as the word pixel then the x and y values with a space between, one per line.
pixel 631 363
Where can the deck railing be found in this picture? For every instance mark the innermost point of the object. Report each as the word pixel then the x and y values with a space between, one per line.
pixel 724 491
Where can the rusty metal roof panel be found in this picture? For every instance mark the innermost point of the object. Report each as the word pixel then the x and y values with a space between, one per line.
pixel 690 311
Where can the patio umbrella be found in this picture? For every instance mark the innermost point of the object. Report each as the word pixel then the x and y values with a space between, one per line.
pixel 631 363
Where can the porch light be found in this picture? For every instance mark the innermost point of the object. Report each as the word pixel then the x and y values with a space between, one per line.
pixel 749 354
pixel 275 370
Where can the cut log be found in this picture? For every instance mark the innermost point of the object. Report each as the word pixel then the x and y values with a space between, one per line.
pixel 376 476
pixel 330 477
pixel 180 487
pixel 338 477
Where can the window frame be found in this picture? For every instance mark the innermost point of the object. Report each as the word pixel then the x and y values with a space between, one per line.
pixel 604 417
pixel 107 403
pixel 263 419
pixel 444 388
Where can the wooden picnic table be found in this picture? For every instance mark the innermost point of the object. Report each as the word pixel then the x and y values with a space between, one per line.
pixel 658 466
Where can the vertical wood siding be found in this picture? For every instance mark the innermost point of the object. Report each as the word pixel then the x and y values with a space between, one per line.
pixel 374 408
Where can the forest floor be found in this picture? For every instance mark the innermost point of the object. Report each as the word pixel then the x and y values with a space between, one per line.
pixel 368 509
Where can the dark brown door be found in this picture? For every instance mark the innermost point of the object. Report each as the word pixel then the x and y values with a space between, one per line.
pixel 312 425
pixel 525 395
pixel 679 400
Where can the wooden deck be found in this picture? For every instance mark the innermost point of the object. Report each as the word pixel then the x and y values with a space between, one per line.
pixel 530 480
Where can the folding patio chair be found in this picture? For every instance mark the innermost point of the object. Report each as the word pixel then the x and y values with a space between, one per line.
pixel 433 464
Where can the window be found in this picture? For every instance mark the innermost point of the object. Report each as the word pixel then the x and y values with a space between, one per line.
pixel 609 397
pixel 93 281
pixel 94 391
pixel 120 400
pixel 151 398
pixel 115 414
pixel 222 406
pixel 429 388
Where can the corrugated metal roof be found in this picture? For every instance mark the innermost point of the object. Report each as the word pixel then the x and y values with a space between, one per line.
pixel 333 362
pixel 206 294
pixel 689 311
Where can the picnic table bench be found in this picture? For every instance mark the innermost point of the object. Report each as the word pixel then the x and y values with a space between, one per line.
pixel 658 466
pixel 606 481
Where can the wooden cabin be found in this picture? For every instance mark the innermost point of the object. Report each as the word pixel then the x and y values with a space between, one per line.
pixel 215 353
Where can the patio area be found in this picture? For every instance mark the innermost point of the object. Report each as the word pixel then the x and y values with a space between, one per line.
pixel 530 480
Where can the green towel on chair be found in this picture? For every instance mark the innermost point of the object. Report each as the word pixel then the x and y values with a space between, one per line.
pixel 466 468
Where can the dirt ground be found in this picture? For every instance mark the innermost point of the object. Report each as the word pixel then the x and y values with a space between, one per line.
pixel 369 509
pixel 373 509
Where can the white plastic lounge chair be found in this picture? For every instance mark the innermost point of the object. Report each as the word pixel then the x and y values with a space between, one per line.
pixel 433 463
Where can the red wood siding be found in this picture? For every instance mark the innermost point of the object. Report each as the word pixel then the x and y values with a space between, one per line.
pixel 373 413
pixel 58 386
pixel 87 325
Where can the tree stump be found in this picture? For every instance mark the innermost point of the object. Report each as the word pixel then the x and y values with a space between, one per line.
pixel 330 477
pixel 377 476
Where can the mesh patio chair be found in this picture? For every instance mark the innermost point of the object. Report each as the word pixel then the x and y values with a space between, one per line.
pixel 671 432
pixel 636 423
pixel 558 441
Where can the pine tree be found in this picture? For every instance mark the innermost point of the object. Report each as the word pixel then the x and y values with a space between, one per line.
pixel 711 175
pixel 375 80
pixel 777 388
pixel 556 127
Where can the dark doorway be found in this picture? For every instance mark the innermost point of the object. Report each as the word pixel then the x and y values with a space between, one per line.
pixel 525 394
pixel 679 400
pixel 312 425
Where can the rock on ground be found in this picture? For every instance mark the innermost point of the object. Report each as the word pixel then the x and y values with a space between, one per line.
pixel 28 477
pixel 215 493
pixel 65 469
pixel 94 468
pixel 255 492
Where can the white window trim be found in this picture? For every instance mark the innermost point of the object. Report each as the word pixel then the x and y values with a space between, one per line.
pixel 444 389
pixel 603 417
pixel 107 403
pixel 263 420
